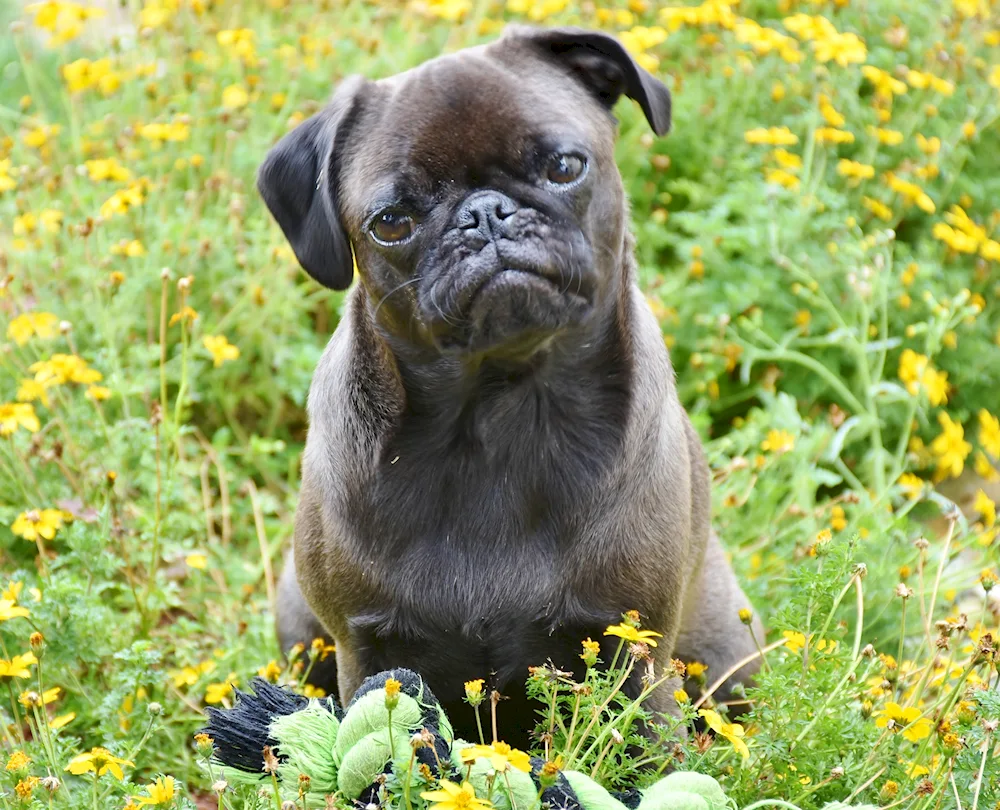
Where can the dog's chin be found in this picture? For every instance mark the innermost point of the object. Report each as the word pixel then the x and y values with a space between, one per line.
pixel 516 313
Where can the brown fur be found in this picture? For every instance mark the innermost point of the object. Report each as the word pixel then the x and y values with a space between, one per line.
pixel 491 477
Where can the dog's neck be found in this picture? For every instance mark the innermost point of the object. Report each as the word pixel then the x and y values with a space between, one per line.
pixel 582 374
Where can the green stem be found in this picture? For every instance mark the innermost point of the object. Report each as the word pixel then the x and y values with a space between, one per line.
pixel 797 358
pixel 902 636
pixel 479 724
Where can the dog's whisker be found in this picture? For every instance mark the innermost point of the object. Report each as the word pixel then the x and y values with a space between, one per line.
pixel 394 290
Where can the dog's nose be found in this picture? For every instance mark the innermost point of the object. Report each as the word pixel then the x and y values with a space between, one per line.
pixel 484 211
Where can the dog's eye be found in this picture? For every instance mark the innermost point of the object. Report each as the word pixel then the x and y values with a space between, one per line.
pixel 564 169
pixel 390 227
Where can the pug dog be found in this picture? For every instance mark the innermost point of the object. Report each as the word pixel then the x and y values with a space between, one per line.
pixel 497 465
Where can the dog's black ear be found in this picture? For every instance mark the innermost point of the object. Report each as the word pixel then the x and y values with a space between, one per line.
pixel 601 62
pixel 298 183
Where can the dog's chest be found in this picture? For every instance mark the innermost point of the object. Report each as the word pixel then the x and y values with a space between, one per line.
pixel 468 537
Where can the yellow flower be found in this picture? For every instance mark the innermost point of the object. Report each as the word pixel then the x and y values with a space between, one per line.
pixel 17 667
pixel 501 756
pixel 774 136
pixel 186 314
pixel 320 647
pixel 955 239
pixel 18 414
pixel 271 671
pixel 107 169
pixel 989 433
pixel 929 146
pixel 921 81
pixel 591 649
pixel 911 366
pixel 917 373
pixel 984 469
pixel 696 669
pixel 838 520
pixel 160 792
pixel 633 634
pixel 914 727
pixel 474 691
pixel 990 250
pixel 935 384
pixel 29 699
pixel 888 137
pixel 793 640
pixel 188 676
pixel 63 368
pixel 450 10
pixel 220 349
pixel 18 762
pixel 239 42
pixel 217 692
pixel 536 10
pixel 886 86
pixel 197 561
pixel 681 696
pixel 879 209
pixel 25 224
pixel 829 113
pixel 10 610
pixel 64 20
pixel 158 133
pixel 454 797
pixel 26 787
pixel 37 523
pixel 787 160
pixel 950 448
pixel 83 75
pixel 826 135
pixel 97 393
pixel 910 192
pixel 782 178
pixel 51 219
pixel 235 97
pixel 38 324
pixel 844 49
pixel 766 40
pixel 62 720
pixel 733 732
pixel 100 761
pixel 983 504
pixel 7 183
pixel 12 591
pixel 29 391
pixel 855 171
pixel 155 14
pixel 778 441
pixel 37 137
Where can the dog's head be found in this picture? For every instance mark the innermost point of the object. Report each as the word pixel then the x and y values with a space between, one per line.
pixel 479 190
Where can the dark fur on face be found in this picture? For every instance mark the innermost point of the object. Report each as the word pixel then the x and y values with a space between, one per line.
pixel 500 257
pixel 497 465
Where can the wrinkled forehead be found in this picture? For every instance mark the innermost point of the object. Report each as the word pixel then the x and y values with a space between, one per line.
pixel 457 119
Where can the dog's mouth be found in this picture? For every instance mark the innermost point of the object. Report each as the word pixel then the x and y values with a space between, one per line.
pixel 544 281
